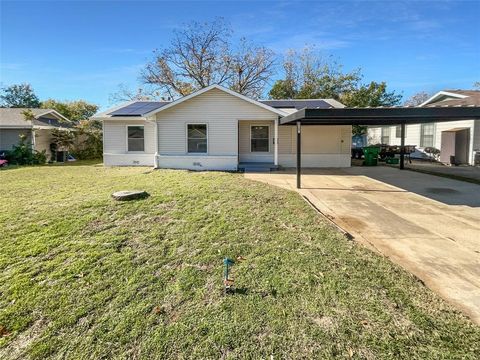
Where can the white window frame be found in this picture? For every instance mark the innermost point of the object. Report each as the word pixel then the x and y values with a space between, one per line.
pixel 126 138
pixel 422 142
pixel 389 134
pixel 250 139
pixel 186 138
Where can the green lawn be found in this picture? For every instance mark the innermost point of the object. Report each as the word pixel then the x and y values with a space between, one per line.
pixel 83 276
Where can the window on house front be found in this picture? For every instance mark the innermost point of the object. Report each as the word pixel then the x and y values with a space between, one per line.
pixel 135 138
pixel 426 135
pixel 259 141
pixel 398 131
pixel 197 138
pixel 386 135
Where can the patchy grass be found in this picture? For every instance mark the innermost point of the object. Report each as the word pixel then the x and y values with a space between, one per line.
pixel 82 276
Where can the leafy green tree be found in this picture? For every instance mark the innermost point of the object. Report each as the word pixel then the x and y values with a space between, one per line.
pixel 370 95
pixel 19 96
pixel 311 76
pixel 76 111
pixel 373 95
pixel 89 144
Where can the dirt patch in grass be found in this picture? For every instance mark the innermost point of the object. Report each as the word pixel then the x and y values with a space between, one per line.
pixel 16 349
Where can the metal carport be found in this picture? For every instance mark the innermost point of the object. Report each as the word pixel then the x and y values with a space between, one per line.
pixel 374 116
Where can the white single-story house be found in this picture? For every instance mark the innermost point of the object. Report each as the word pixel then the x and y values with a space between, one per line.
pixel 38 131
pixel 218 129
pixel 458 139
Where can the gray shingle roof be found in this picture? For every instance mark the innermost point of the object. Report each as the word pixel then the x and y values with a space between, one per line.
pixel 14 118
pixel 298 104
pixel 472 99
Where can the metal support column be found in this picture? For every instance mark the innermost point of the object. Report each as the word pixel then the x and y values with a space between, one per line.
pixel 402 146
pixel 299 153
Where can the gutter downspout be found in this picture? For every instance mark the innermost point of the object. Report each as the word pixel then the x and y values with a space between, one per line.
pixel 156 160
pixel 275 145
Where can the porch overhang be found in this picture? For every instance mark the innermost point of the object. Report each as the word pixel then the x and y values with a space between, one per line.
pixel 374 117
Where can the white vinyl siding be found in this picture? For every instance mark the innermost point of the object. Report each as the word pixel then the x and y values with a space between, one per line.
pixel 219 110
pixel 398 132
pixel 322 146
pixel 115 136
pixel 413 134
pixel 427 135
pixel 43 139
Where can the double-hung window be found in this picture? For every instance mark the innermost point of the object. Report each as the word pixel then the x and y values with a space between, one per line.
pixel 385 135
pixel 426 135
pixel 197 138
pixel 135 138
pixel 259 138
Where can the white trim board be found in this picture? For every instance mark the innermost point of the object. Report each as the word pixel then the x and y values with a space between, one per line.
pixel 443 93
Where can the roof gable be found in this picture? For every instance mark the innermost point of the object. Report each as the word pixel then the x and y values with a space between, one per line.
pixel 445 95
pixel 221 88
pixel 14 117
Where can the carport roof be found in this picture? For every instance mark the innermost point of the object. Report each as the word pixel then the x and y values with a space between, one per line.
pixel 380 115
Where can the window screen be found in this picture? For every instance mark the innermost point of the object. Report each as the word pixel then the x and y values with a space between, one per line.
pixel 259 139
pixel 197 138
pixel 136 140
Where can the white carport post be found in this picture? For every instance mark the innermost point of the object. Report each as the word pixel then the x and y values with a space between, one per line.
pixel 275 143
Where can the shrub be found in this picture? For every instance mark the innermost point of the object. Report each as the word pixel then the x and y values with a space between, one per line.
pixel 22 154
pixel 89 140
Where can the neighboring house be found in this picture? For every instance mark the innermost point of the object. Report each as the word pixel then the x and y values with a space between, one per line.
pixel 218 129
pixel 460 139
pixel 38 131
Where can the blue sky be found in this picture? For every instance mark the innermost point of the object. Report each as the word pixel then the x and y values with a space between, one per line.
pixel 83 50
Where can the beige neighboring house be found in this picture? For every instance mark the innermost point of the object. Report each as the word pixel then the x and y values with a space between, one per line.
pixel 38 131
pixel 218 129
pixel 460 139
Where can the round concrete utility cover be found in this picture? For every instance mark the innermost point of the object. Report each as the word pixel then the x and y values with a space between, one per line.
pixel 127 195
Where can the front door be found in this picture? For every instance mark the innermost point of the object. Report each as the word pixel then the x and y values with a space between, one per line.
pixel 255 141
pixel 260 139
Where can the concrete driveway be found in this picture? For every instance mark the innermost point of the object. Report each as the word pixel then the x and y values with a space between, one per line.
pixel 427 224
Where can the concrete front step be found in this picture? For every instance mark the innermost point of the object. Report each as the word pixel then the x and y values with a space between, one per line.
pixel 257 167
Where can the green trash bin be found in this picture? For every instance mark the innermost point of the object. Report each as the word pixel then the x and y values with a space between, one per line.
pixel 371 155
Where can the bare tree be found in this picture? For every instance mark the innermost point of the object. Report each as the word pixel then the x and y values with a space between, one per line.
pixel 252 68
pixel 417 99
pixel 126 94
pixel 476 85
pixel 202 54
